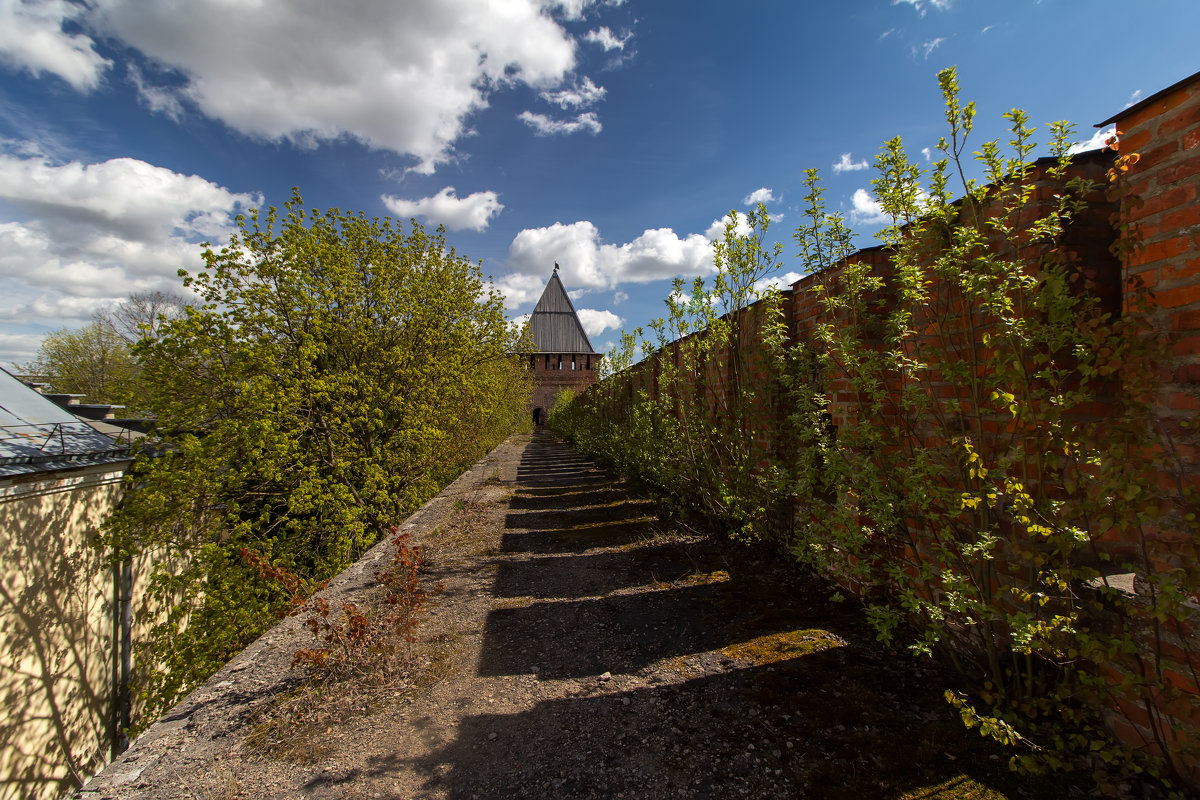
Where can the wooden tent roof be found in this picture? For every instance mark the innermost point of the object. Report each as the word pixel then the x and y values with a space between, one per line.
pixel 554 324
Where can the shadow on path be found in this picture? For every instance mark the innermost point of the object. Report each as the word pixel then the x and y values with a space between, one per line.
pixel 728 675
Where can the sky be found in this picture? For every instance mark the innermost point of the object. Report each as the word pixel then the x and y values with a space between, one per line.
pixel 609 136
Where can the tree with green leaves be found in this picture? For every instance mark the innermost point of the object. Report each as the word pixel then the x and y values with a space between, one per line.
pixel 97 360
pixel 691 424
pixel 93 361
pixel 339 371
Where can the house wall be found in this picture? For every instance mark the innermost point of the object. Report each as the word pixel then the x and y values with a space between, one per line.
pixel 56 630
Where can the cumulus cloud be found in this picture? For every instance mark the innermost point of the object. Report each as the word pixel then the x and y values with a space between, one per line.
pixel 866 209
pixel 395 76
pixel 581 95
pixel 606 39
pixel 596 322
pixel 32 38
pixel 848 164
pixel 778 282
pixel 620 297
pixel 472 212
pixel 717 229
pixel 545 126
pixel 590 263
pixel 763 195
pixel 928 153
pixel 1098 140
pixel 90 234
pixel 19 348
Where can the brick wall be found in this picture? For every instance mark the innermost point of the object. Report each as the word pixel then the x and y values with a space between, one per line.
pixel 1162 219
pixel 1148 267
pixel 556 372
pixel 1164 131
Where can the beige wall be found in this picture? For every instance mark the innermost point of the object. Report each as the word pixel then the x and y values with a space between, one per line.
pixel 56 630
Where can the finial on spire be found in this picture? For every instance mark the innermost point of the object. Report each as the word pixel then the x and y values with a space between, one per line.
pixel 556 266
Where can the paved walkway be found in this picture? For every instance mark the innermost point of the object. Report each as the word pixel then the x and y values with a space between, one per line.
pixel 584 649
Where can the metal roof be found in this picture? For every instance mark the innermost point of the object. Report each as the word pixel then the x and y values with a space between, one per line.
pixel 554 324
pixel 38 436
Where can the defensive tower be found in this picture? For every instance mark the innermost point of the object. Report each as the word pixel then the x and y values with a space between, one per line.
pixel 562 356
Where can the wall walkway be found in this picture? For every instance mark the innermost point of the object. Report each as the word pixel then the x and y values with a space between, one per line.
pixel 583 648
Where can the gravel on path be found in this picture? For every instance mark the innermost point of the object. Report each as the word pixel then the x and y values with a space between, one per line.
pixel 582 647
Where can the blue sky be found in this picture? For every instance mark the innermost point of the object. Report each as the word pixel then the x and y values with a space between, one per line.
pixel 607 136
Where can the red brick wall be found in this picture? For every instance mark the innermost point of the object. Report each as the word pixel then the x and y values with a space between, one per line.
pixel 1160 252
pixel 1165 133
pixel 553 373
pixel 1163 219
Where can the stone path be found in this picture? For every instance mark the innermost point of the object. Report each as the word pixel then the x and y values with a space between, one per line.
pixel 581 648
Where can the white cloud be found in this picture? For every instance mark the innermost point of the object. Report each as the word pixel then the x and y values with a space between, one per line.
pixel 1134 98
pixel 89 234
pixel 927 48
pixel 19 348
pixel 570 9
pixel 928 153
pixel 32 38
pixel 518 322
pixel 580 95
pixel 397 76
pixel 778 282
pixel 596 322
pixel 620 297
pixel 544 126
pixel 717 229
pixel 847 164
pixel 474 211
pixel 589 263
pixel 156 98
pixel 763 195
pixel 866 209
pixel 1099 140
pixel 921 5
pixel 606 39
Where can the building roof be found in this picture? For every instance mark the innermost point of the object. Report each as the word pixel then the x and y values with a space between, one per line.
pixel 554 325
pixel 38 436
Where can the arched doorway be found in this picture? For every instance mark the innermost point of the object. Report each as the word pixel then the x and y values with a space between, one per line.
pixel 539 417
